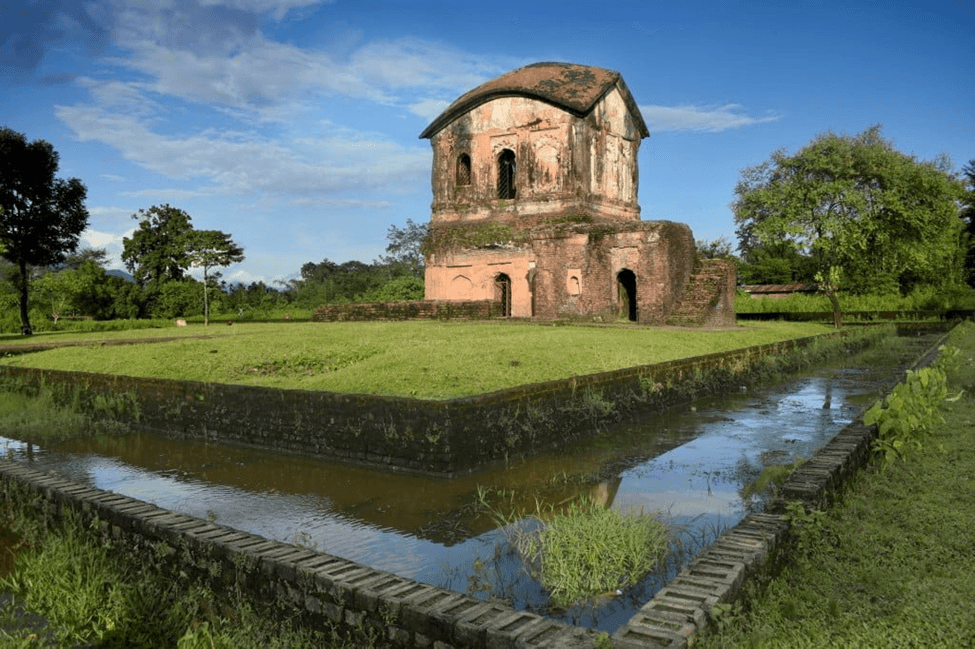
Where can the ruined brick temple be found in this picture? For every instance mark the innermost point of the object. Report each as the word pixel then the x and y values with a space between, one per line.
pixel 535 205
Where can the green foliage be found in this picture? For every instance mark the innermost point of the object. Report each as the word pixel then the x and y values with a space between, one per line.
pixel 854 202
pixel 41 216
pixel 906 415
pixel 720 248
pixel 584 550
pixel 771 478
pixel 99 593
pixel 922 298
pixel 158 250
pixel 207 249
pixel 405 246
pixel 401 289
pixel 590 550
pixel 775 263
pixel 967 215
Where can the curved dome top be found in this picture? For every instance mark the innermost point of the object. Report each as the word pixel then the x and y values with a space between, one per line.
pixel 574 88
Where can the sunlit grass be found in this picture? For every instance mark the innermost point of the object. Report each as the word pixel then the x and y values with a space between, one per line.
pixel 423 359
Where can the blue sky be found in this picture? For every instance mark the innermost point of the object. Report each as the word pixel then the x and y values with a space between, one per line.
pixel 294 124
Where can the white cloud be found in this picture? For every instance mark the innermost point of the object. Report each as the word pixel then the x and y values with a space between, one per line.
pixel 708 119
pixel 429 108
pixel 112 243
pixel 234 162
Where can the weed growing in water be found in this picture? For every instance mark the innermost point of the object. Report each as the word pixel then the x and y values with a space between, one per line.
pixel 583 550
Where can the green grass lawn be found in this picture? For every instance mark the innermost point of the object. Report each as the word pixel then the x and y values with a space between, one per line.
pixel 423 359
pixel 891 566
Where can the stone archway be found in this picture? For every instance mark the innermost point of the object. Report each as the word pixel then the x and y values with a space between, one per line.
pixel 626 295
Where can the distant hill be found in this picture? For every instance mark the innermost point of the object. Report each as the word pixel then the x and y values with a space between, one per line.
pixel 120 273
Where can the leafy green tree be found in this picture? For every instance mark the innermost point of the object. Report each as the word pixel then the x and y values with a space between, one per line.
pixel 41 216
pixel 777 263
pixel 405 246
pixel 968 216
pixel 177 299
pixel 207 249
pixel 885 220
pixel 158 250
pixel 720 248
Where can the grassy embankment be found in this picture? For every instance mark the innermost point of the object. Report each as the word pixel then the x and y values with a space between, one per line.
pixel 423 359
pixel 891 565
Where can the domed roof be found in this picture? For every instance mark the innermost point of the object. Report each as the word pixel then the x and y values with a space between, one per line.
pixel 571 87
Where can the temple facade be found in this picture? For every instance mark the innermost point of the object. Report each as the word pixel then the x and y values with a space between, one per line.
pixel 535 183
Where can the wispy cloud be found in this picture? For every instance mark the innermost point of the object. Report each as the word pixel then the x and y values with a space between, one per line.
pixel 701 119
pixel 237 162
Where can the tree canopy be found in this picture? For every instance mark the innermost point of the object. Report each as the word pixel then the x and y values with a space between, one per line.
pixel 887 220
pixel 158 251
pixel 968 216
pixel 405 246
pixel 41 216
pixel 209 248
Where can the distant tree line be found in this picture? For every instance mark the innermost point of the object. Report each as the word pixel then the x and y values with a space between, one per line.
pixel 850 213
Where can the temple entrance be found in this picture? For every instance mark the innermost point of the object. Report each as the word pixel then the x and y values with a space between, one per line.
pixel 626 294
pixel 502 293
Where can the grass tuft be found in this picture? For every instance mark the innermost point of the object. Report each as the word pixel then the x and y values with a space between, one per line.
pixel 589 550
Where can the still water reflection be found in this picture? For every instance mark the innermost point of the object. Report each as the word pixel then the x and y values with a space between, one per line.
pixel 691 465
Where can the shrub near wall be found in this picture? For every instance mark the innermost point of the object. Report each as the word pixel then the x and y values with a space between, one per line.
pixel 443 438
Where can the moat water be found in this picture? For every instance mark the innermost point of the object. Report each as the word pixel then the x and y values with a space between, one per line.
pixel 690 465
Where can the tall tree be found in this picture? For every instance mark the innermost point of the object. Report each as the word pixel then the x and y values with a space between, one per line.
pixel 404 246
pixel 207 249
pixel 968 216
pixel 854 204
pixel 41 216
pixel 158 250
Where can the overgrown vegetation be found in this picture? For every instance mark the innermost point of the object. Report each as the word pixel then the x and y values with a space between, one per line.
pixel 908 414
pixel 589 550
pixel 580 550
pixel 921 299
pixel 422 359
pixel 99 593
pixel 886 567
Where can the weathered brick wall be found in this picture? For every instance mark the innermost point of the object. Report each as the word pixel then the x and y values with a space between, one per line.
pixel 412 310
pixel 312 588
pixel 432 437
pixel 659 253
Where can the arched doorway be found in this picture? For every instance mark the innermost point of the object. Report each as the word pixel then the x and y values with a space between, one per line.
pixel 626 295
pixel 502 293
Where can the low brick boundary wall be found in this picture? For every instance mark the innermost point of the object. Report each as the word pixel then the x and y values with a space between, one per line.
pixel 442 438
pixel 326 590
pixel 412 310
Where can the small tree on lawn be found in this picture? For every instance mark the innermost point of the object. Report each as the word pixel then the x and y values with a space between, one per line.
pixel 209 248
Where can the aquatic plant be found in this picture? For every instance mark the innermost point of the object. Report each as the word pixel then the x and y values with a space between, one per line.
pixel 590 550
pixel 581 550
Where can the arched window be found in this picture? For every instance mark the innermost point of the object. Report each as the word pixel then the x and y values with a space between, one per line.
pixel 463 169
pixel 506 174
pixel 502 293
